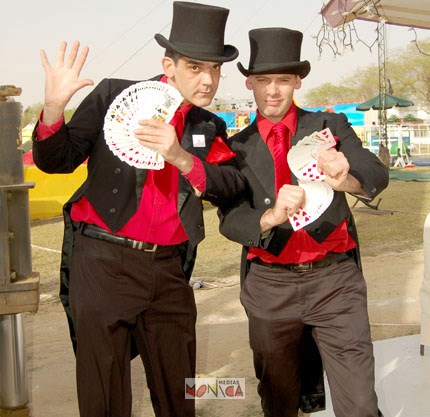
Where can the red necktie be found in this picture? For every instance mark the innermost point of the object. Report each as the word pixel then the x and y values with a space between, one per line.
pixel 163 178
pixel 280 147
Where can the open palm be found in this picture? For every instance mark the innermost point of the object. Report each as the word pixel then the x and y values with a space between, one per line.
pixel 62 80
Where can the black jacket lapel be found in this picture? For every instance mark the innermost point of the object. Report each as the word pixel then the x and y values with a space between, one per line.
pixel 257 157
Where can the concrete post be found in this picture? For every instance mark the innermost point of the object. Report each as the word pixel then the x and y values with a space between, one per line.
pixel 425 290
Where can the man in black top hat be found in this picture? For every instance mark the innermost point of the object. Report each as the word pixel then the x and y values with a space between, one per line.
pixel 134 232
pixel 301 285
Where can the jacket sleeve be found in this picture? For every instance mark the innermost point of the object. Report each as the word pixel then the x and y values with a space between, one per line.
pixel 365 166
pixel 241 223
pixel 224 182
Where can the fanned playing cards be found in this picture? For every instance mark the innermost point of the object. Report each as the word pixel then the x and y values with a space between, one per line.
pixel 302 160
pixel 144 100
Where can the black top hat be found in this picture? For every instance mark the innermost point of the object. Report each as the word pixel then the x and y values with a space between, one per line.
pixel 275 51
pixel 198 32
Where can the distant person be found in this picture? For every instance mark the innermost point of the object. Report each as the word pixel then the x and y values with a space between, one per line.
pixel 399 162
pixel 384 154
pixel 408 155
pixel 374 131
pixel 134 232
pixel 306 280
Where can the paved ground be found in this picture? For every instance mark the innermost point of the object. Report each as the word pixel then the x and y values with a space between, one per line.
pixel 393 292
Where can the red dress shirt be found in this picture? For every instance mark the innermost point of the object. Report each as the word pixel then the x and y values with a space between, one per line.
pixel 301 247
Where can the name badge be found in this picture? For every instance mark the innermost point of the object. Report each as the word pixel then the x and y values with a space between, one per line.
pixel 199 141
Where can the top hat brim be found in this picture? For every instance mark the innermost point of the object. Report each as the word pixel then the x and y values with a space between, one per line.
pixel 301 68
pixel 230 52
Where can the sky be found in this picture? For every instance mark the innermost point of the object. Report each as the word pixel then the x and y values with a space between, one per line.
pixel 120 35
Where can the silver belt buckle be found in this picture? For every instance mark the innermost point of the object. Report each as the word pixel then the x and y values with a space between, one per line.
pixel 302 267
pixel 140 246
pixel 153 249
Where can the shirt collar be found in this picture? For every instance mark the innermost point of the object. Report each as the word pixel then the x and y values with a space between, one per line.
pixel 289 120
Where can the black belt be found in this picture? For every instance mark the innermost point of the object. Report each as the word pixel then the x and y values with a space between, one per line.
pixel 95 232
pixel 329 259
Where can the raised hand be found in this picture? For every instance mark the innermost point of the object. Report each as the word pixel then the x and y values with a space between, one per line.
pixel 62 80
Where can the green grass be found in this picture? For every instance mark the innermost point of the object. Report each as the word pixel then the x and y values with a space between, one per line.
pixel 396 226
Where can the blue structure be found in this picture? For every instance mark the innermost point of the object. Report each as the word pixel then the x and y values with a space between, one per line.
pixel 356 118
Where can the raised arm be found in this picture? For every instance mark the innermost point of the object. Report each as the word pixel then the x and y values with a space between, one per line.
pixel 62 80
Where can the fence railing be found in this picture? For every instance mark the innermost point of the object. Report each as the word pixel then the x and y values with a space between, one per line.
pixel 412 138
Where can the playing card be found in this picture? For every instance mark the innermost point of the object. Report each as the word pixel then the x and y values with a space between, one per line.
pixel 312 139
pixel 302 158
pixel 327 137
pixel 144 100
pixel 323 138
pixel 319 196
pixel 302 161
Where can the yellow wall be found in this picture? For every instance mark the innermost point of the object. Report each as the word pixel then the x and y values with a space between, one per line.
pixel 51 191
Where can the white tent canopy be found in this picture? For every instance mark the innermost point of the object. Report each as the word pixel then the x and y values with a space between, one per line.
pixel 413 13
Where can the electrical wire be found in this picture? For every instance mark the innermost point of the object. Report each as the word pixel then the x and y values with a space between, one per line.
pixel 415 41
pixel 124 33
pixel 136 52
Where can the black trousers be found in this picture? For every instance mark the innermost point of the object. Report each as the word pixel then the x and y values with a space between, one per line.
pixel 118 292
pixel 332 300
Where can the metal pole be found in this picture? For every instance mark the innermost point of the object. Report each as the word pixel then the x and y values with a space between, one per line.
pixel 13 373
pixel 382 113
pixel 19 286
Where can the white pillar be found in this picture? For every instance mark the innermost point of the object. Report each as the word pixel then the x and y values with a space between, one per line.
pixel 425 289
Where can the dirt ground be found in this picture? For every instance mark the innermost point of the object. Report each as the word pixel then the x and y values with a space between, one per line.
pixel 393 296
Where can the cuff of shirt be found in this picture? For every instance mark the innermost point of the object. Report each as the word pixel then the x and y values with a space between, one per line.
pixel 43 130
pixel 197 176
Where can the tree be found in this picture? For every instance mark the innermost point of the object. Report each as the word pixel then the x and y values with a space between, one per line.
pixel 31 114
pixel 365 82
pixel 408 70
pixel 328 94
pixel 412 74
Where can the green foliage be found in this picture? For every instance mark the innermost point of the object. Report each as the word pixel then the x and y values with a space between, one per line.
pixel 393 119
pixel 364 81
pixel 412 74
pixel 68 113
pixel 409 118
pixel 31 114
pixel 328 94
